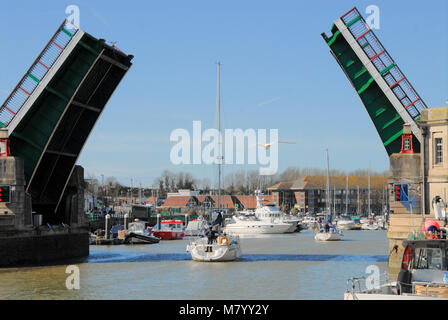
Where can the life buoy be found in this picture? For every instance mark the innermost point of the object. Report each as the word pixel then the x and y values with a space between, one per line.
pixel 224 240
pixel 406 258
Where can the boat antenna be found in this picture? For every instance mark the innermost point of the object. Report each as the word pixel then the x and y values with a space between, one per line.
pixel 218 107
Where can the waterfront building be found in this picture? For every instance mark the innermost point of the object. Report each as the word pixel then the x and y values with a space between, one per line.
pixel 418 182
pixel 347 194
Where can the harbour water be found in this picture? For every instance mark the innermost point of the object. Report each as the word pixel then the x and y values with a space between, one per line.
pixel 288 266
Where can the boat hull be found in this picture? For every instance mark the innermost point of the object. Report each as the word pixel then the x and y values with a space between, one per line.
pixel 136 238
pixel 219 253
pixel 379 296
pixel 169 235
pixel 367 226
pixel 257 229
pixel 346 226
pixel 327 236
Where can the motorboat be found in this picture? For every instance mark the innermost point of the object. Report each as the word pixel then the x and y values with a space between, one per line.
pixel 423 274
pixel 345 223
pixel 370 225
pixel 382 222
pixel 196 227
pixel 169 230
pixel 332 234
pixel 271 214
pixel 138 233
pixel 251 224
pixel 310 222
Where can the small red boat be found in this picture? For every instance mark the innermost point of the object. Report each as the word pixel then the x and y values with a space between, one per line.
pixel 170 230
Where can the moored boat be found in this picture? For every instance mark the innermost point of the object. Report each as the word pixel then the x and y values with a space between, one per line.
pixel 370 225
pixel 138 233
pixel 345 223
pixel 169 230
pixel 271 214
pixel 196 227
pixel 250 224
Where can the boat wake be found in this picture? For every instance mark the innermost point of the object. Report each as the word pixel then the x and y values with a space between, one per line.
pixel 155 257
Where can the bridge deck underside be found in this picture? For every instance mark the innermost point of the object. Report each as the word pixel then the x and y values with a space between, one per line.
pixel 52 134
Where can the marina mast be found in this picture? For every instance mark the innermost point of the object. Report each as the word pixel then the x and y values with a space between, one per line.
pixel 328 186
pixel 368 212
pixel 218 107
pixel 346 195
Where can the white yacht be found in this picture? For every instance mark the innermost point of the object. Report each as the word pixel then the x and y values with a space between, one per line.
pixel 217 246
pixel 345 223
pixel 251 224
pixel 271 214
pixel 332 235
pixel 370 224
pixel 226 248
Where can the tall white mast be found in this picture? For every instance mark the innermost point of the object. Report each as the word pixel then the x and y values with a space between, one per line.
pixel 218 107
pixel 328 186
pixel 368 213
pixel 346 195
pixel 358 209
pixel 334 199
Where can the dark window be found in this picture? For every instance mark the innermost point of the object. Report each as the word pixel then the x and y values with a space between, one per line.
pixel 439 151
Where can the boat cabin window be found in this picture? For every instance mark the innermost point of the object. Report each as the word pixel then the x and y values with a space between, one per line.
pixel 428 258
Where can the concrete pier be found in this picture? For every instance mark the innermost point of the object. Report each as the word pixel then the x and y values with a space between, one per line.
pixel 21 242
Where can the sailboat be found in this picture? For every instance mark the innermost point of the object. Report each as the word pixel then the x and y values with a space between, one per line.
pixel 328 233
pixel 219 247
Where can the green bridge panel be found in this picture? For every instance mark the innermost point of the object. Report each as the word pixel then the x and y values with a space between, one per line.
pixel 387 121
pixel 52 132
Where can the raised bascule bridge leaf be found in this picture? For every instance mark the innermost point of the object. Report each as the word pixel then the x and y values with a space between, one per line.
pixel 386 93
pixel 51 112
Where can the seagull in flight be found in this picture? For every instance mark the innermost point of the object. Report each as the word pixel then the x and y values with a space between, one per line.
pixel 267 146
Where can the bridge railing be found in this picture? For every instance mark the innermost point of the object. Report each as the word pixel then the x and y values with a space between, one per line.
pixel 384 63
pixel 38 70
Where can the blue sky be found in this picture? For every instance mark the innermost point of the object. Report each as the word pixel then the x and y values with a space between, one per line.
pixel 277 73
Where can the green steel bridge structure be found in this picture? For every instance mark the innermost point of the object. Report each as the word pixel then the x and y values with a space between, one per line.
pixel 54 107
pixel 386 93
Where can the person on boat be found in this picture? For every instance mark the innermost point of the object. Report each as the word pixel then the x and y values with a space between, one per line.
pixel 211 236
pixel 218 220
pixel 327 227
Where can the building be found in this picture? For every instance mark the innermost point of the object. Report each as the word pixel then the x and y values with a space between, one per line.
pixel 347 194
pixel 186 199
pixel 418 181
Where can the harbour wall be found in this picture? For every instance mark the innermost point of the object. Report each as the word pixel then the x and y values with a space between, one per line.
pixel 43 248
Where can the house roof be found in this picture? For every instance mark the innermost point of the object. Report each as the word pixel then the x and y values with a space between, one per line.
pixel 338 182
pixel 202 198
pixel 176 201
pixel 250 202
pixel 226 201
